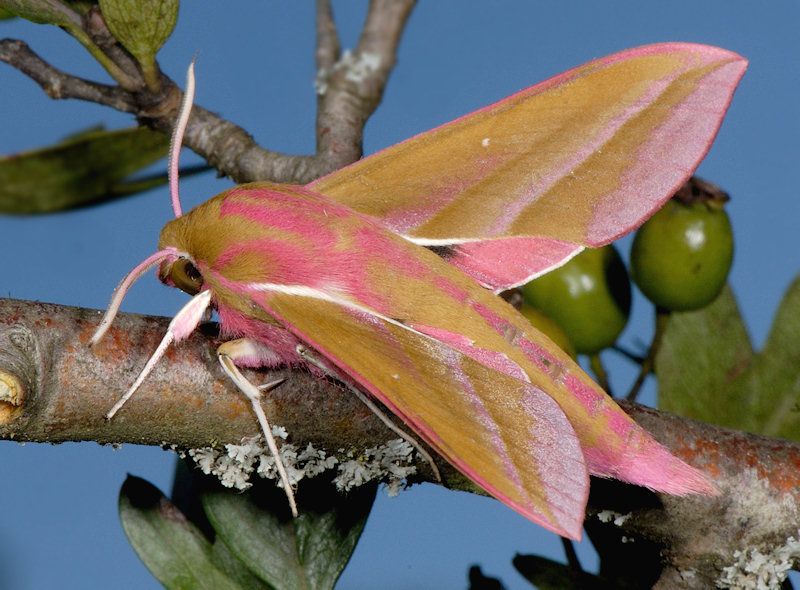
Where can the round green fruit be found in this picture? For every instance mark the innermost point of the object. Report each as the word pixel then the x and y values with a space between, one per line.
pixel 681 256
pixel 549 327
pixel 589 297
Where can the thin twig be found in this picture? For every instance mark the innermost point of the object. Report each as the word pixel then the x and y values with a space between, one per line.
pixel 95 26
pixel 58 84
pixel 661 319
pixel 383 28
pixel 328 47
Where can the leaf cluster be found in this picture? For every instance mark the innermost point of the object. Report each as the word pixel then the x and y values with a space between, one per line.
pixel 244 541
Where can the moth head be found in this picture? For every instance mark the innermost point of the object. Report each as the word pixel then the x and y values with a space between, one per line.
pixel 175 267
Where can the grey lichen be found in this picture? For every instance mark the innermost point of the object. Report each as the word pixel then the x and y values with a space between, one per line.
pixel 389 461
pixel 609 515
pixel 756 570
pixel 235 464
pixel 356 66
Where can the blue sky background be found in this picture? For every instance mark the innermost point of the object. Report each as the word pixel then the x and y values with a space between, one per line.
pixel 59 526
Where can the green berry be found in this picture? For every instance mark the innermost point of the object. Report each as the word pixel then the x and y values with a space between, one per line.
pixel 589 297
pixel 681 256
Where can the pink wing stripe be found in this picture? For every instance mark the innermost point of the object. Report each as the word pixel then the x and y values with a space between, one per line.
pixel 660 168
pixel 630 455
pixel 490 358
pixel 549 452
pixel 503 264
pixel 626 452
pixel 551 443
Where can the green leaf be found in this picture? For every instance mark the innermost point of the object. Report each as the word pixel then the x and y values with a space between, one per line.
pixel 84 169
pixel 50 12
pixel 227 562
pixel 707 368
pixel 171 547
pixel 308 552
pixel 546 574
pixel 142 26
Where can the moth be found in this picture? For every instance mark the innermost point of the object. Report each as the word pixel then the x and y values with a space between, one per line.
pixel 385 274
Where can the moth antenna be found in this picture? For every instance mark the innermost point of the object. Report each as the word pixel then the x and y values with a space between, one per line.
pixel 303 352
pixel 122 289
pixel 176 141
pixel 183 324
pixel 254 395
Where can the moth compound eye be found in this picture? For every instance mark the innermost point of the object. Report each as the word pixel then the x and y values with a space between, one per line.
pixel 186 276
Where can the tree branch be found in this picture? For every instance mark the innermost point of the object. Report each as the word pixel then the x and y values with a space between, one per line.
pixel 53 388
pixel 351 89
pixel 188 401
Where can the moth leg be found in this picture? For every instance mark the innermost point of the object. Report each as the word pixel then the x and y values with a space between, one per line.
pixel 183 324
pixel 228 353
pixel 309 357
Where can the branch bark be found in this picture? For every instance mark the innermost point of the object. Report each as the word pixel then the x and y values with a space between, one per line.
pixel 746 534
pixel 66 387
pixel 54 388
